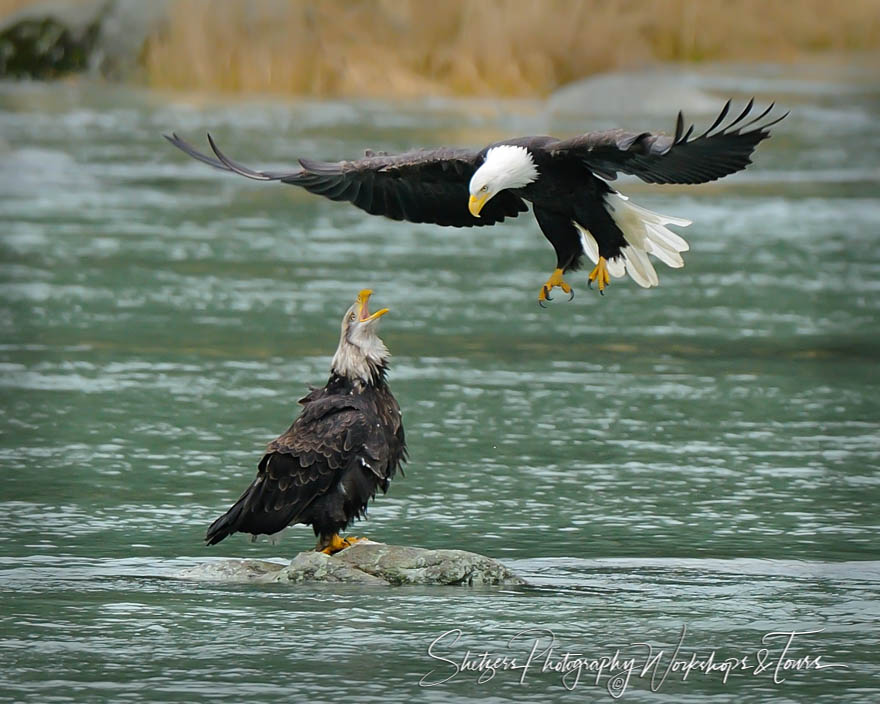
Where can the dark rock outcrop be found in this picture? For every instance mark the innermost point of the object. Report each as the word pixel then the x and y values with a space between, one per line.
pixel 48 40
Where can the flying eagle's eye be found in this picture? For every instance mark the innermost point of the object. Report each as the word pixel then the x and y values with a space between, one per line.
pixel 352 317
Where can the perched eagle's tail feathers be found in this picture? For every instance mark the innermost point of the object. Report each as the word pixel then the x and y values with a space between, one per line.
pixel 257 511
pixel 229 522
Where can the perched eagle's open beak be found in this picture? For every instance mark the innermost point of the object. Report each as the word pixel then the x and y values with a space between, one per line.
pixel 364 313
pixel 476 203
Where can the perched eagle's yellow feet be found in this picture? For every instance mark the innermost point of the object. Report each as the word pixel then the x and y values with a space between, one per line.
pixel 555 281
pixel 600 275
pixel 336 543
pixel 351 540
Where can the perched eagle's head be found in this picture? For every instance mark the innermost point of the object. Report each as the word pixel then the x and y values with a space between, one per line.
pixel 361 354
pixel 506 166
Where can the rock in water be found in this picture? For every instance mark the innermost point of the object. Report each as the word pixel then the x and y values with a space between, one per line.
pixel 366 563
pixel 376 563
pixel 232 571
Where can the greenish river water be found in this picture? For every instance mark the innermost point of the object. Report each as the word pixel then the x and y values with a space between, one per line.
pixel 703 455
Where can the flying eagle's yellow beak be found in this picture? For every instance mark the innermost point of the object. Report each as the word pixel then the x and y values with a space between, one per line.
pixel 476 203
pixel 363 311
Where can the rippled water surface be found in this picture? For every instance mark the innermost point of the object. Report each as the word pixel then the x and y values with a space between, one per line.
pixel 703 455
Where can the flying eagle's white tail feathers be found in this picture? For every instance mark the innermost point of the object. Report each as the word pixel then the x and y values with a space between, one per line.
pixel 588 242
pixel 639 266
pixel 617 267
pixel 651 216
pixel 659 247
pixel 646 233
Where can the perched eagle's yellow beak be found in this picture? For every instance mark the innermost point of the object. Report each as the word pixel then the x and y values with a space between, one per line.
pixel 363 311
pixel 476 203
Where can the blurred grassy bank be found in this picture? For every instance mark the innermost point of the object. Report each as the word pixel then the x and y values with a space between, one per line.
pixel 466 47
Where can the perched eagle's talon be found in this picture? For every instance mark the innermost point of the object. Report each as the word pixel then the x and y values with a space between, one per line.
pixel 332 545
pixel 336 543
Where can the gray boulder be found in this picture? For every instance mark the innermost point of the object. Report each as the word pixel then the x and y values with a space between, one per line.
pixel 366 563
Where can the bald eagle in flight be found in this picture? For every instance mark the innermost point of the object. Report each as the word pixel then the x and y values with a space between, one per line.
pixel 566 180
pixel 346 444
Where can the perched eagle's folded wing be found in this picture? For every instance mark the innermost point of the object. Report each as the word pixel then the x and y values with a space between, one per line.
pixel 717 152
pixel 417 186
pixel 322 443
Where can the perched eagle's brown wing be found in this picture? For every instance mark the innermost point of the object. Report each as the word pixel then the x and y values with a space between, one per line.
pixel 715 153
pixel 333 434
pixel 298 467
pixel 417 186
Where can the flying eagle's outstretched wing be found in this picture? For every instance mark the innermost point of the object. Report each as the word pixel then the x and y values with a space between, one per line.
pixel 417 186
pixel 717 152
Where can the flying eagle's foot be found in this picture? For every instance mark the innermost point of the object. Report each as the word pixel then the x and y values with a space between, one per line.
pixel 555 281
pixel 600 275
pixel 335 543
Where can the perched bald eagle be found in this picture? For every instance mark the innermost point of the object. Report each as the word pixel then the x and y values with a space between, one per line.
pixel 566 180
pixel 346 444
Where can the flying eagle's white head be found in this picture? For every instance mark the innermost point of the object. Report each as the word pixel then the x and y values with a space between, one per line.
pixel 506 166
pixel 361 353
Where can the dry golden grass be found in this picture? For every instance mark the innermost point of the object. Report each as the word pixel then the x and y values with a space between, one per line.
pixel 467 47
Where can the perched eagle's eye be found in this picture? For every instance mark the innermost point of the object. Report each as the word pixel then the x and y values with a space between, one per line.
pixel 484 189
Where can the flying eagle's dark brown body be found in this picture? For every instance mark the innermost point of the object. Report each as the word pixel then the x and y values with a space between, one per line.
pixel 347 443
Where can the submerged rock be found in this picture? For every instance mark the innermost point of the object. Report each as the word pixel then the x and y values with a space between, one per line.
pixel 232 571
pixel 366 563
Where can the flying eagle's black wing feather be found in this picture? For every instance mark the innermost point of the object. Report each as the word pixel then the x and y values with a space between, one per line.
pixel 719 151
pixel 419 186
pixel 222 162
pixel 330 437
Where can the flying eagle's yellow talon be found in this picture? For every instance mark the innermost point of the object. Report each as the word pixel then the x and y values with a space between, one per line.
pixel 600 275
pixel 555 281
